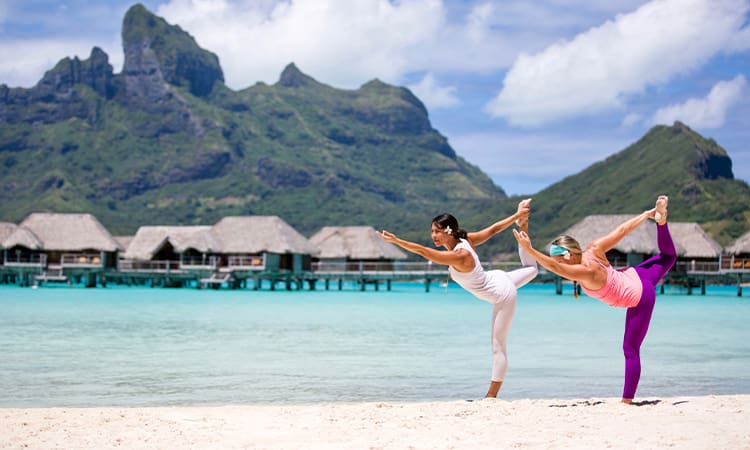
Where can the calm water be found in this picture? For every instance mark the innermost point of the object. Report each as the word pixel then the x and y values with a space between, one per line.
pixel 144 347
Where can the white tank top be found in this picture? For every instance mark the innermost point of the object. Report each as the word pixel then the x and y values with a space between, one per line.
pixel 494 286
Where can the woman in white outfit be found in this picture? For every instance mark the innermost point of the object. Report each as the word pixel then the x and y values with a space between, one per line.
pixel 495 286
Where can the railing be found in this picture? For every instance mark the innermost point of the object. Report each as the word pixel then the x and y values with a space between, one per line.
pixel 80 260
pixel 697 266
pixel 166 266
pixel 331 267
pixel 732 263
pixel 240 262
pixel 133 265
pixel 724 265
pixel 27 260
pixel 400 267
pixel 199 263
pixel 426 267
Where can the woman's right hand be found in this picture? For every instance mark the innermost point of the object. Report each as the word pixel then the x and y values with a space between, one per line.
pixel 386 236
pixel 523 239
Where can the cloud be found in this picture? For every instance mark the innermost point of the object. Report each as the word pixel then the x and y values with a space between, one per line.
pixel 741 41
pixel 23 62
pixel 631 119
pixel 478 22
pixel 433 95
pixel 598 69
pixel 342 42
pixel 705 113
pixel 348 42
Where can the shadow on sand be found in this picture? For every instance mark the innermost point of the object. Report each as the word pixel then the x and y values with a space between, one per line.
pixel 583 403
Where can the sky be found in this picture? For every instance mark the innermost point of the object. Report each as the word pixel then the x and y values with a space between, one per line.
pixel 530 92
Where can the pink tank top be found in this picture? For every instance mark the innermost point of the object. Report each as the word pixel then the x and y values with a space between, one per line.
pixel 623 288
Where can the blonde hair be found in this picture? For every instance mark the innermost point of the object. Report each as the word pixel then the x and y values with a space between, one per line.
pixel 569 243
pixel 572 245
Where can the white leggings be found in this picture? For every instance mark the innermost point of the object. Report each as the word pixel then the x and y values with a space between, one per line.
pixel 502 314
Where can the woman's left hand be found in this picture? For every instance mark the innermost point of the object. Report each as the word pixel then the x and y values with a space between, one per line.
pixel 386 236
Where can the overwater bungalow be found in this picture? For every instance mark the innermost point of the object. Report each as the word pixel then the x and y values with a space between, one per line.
pixel 353 248
pixel 261 243
pixel 737 256
pixel 231 251
pixel 697 252
pixel 171 249
pixel 55 247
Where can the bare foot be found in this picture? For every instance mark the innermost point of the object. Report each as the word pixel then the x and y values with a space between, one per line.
pixel 660 216
pixel 524 205
pixel 523 223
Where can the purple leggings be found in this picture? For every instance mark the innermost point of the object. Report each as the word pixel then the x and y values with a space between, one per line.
pixel 638 317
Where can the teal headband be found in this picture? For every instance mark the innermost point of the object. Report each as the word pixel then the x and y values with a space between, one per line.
pixel 557 250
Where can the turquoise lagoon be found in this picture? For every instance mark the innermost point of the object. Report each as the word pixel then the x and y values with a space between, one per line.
pixel 121 346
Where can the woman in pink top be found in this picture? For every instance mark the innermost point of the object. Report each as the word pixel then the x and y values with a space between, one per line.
pixel 494 286
pixel 632 288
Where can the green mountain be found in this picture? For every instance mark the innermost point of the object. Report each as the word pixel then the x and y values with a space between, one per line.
pixel 166 142
pixel 695 172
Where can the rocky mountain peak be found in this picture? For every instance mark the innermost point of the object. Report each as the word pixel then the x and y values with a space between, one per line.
pixel 711 161
pixel 291 76
pixel 157 53
pixel 95 72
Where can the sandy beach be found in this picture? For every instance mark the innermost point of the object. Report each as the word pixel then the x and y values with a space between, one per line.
pixel 678 422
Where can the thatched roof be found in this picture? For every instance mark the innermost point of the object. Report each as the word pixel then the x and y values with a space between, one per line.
pixel 123 241
pixel 23 237
pixel 6 229
pixel 740 246
pixel 693 240
pixel 354 243
pixel 251 234
pixel 257 234
pixel 62 232
pixel 690 240
pixel 149 240
pixel 641 240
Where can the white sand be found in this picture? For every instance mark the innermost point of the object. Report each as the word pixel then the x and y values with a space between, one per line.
pixel 707 422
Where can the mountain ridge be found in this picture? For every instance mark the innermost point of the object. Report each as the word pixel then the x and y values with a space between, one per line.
pixel 165 141
pixel 695 172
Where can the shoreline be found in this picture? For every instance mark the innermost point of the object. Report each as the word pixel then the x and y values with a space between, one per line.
pixel 709 421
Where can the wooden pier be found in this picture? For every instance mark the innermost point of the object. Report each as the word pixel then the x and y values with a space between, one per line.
pixel 325 275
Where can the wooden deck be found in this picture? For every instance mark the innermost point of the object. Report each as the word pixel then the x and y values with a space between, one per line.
pixel 325 275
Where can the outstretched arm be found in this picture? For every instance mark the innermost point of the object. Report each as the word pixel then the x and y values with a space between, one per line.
pixel 608 242
pixel 575 272
pixel 480 237
pixel 460 259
